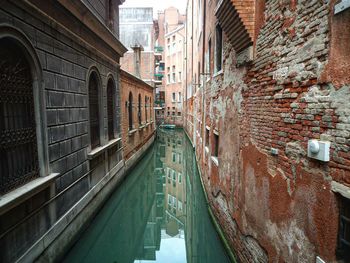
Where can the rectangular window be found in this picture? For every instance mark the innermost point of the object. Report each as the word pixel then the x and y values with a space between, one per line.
pixel 180 97
pixel 174 77
pixel 173 97
pixel 209 58
pixel 216 146
pixel 174 47
pixel 173 113
pixel 218 48
pixel 180 77
pixel 168 113
pixel 179 203
pixel 207 131
pixel 174 176
pixel 174 38
pixel 343 249
pixel 169 49
pixel 168 78
pixel 179 113
pixel 179 177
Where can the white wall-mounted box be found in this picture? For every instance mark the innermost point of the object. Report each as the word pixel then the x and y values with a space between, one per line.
pixel 319 150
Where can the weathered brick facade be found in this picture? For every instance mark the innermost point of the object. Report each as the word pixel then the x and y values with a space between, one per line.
pixel 284 207
pixel 141 132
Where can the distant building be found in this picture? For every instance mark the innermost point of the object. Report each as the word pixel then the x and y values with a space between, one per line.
pixel 137 29
pixel 171 41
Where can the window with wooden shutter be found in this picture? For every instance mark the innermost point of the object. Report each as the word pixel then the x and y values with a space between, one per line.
pixel 130 111
pixel 18 141
pixel 146 108
pixel 94 111
pixel 139 110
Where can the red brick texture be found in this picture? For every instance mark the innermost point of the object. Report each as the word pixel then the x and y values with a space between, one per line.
pixel 279 208
pixel 139 135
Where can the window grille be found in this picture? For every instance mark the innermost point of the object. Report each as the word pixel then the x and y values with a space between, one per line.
pixel 343 251
pixel 94 111
pixel 18 142
pixel 110 109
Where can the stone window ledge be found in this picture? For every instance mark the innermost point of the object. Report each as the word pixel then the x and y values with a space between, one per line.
pixel 19 195
pixel 142 126
pixel 220 72
pixel 340 189
pixel 215 160
pixel 147 124
pixel 97 151
pixel 131 132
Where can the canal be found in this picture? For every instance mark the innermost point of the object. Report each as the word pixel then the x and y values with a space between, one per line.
pixel 158 214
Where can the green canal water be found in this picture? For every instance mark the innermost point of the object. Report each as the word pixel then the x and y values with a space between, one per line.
pixel 157 214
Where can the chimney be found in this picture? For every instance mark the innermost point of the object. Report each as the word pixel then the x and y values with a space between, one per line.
pixel 137 59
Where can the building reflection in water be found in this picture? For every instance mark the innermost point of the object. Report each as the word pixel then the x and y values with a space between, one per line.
pixel 158 214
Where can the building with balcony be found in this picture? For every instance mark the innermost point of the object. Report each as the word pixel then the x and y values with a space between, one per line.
pixel 171 37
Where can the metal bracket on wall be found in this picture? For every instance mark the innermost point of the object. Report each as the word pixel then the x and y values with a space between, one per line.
pixel 340 7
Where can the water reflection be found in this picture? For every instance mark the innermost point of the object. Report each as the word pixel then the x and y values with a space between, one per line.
pixel 158 214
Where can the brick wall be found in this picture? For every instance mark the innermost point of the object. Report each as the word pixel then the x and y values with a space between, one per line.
pixel 139 135
pixel 278 208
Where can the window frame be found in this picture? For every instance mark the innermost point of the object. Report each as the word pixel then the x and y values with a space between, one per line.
pixel 94 71
pixel 110 79
pixel 130 112
pixel 218 49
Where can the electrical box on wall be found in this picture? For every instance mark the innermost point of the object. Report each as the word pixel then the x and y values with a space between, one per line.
pixel 319 150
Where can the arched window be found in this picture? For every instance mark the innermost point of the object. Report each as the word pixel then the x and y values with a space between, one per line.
pixel 110 108
pixel 94 111
pixel 19 161
pixel 130 111
pixel 139 110
pixel 146 109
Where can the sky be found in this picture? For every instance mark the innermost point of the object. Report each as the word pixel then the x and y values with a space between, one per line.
pixel 158 5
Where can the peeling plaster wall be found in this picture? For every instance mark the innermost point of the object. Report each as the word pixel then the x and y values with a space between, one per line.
pixel 279 208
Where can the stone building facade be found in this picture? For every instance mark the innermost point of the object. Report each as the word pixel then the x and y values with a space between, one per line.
pixel 272 76
pixel 60 122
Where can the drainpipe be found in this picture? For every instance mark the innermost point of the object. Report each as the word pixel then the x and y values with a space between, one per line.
pixel 137 59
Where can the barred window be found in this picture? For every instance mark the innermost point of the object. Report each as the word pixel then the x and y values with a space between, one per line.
pixel 110 108
pixel 130 111
pixel 343 250
pixel 18 141
pixel 94 111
